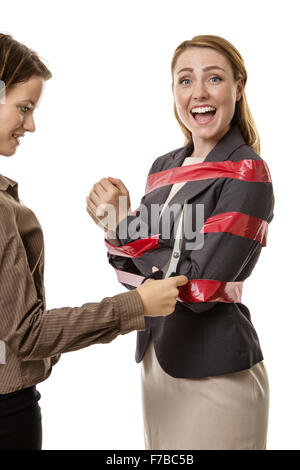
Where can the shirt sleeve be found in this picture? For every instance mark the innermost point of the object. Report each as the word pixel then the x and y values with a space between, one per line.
pixel 33 332
pixel 229 253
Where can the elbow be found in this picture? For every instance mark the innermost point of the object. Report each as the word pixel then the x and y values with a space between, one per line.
pixel 24 345
pixel 23 351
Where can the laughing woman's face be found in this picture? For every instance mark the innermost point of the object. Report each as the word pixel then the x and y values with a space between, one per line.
pixel 16 113
pixel 203 82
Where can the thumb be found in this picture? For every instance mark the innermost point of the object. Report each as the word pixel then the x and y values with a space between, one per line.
pixel 180 280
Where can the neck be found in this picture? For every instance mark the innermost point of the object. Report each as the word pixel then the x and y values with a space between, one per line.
pixel 202 147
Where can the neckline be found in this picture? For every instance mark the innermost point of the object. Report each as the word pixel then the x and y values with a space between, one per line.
pixel 220 152
pixel 196 159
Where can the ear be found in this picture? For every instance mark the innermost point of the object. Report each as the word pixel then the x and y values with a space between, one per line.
pixel 240 88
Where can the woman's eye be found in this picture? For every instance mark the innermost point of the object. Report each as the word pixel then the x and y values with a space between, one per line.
pixel 215 78
pixel 184 80
pixel 24 107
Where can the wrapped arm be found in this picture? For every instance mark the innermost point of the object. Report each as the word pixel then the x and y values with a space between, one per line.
pixel 233 238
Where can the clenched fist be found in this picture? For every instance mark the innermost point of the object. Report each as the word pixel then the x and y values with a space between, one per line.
pixel 108 196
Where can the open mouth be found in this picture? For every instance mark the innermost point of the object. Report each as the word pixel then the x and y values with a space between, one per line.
pixel 204 116
pixel 17 139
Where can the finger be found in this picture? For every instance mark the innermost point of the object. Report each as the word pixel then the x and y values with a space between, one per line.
pixel 98 214
pixel 180 280
pixel 98 190
pixel 91 205
pixel 103 187
pixel 107 184
pixel 119 184
pixel 92 215
pixel 95 198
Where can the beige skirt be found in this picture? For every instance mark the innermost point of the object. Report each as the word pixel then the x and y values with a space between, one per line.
pixel 224 412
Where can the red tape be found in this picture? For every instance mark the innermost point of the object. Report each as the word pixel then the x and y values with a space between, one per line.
pixel 246 170
pixel 134 249
pixel 196 290
pixel 238 223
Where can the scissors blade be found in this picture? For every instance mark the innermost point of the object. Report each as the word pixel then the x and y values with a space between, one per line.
pixel 171 265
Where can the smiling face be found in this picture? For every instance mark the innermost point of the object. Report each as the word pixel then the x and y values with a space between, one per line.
pixel 208 83
pixel 16 113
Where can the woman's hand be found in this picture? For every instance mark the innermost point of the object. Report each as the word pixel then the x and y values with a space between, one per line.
pixel 105 198
pixel 159 296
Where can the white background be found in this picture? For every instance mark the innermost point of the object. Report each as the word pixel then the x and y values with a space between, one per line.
pixel 108 111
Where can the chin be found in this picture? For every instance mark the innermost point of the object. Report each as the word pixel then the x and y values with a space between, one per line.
pixel 7 153
pixel 206 133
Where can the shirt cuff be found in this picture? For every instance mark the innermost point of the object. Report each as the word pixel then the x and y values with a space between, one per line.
pixel 130 309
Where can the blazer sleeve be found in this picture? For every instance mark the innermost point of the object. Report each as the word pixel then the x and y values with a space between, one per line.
pixel 127 264
pixel 34 333
pixel 227 255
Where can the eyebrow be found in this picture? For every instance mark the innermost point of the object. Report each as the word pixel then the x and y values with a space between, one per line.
pixel 28 101
pixel 205 69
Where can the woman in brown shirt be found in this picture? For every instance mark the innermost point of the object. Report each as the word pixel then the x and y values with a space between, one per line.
pixel 32 337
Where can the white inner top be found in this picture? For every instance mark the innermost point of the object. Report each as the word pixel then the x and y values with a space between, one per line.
pixel 175 188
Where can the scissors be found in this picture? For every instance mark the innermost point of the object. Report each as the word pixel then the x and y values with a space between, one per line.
pixel 169 270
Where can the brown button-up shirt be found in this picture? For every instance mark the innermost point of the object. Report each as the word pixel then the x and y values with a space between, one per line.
pixel 31 337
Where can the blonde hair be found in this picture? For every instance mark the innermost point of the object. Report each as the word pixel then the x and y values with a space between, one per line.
pixel 242 114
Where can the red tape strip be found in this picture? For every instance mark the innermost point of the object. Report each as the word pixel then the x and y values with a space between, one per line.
pixel 246 170
pixel 134 249
pixel 238 223
pixel 196 290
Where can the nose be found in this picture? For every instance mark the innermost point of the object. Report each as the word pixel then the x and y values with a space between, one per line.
pixel 28 123
pixel 200 90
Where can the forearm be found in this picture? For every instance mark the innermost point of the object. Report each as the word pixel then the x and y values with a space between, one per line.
pixel 47 333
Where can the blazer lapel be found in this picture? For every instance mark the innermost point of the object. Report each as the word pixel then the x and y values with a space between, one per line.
pixel 220 152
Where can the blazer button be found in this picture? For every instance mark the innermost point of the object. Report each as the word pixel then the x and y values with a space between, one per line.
pixel 176 254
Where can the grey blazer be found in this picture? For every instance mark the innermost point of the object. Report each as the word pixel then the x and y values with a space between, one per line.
pixel 206 338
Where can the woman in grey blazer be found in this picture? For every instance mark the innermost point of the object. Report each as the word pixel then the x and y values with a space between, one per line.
pixel 204 383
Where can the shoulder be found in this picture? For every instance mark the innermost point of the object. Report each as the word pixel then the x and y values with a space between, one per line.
pixel 244 152
pixel 254 196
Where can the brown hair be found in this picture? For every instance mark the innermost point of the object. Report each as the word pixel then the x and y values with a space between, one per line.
pixel 242 114
pixel 18 63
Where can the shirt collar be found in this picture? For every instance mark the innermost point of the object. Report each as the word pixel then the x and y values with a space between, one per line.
pixel 5 182
pixel 220 152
